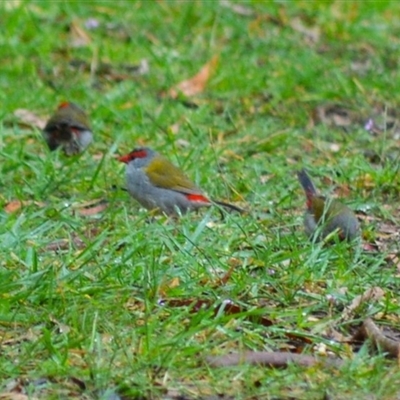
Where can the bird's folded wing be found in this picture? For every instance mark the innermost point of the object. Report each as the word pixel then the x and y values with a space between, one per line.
pixel 163 174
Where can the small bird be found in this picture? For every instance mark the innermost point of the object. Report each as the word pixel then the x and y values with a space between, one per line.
pixel 157 184
pixel 69 129
pixel 325 216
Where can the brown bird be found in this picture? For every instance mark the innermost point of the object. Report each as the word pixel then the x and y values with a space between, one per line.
pixel 324 216
pixel 69 129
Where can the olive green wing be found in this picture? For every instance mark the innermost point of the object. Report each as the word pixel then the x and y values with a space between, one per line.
pixel 163 174
pixel 73 116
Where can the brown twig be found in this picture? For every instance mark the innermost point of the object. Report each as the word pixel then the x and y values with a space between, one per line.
pixel 369 330
pixel 270 359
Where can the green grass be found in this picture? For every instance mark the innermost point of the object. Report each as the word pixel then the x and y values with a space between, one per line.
pixel 92 311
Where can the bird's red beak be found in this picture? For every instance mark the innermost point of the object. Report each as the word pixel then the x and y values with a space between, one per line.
pixel 125 159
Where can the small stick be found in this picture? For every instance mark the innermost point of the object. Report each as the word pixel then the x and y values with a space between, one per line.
pixel 272 359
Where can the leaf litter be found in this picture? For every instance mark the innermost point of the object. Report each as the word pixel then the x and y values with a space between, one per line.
pixel 196 84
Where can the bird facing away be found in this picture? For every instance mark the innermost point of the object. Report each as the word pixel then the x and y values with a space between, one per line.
pixel 69 129
pixel 324 216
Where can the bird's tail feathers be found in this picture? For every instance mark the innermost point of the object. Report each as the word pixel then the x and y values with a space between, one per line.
pixel 308 187
pixel 229 206
pixel 306 182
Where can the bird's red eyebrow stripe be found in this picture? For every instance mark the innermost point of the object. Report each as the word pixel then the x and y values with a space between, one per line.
pixel 197 197
pixel 133 155
pixel 63 105
pixel 138 154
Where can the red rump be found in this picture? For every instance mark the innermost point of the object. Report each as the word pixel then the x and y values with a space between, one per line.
pixel 308 186
pixel 197 198
pixel 136 153
pixel 309 196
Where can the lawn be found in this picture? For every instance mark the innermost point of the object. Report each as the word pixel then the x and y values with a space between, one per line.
pixel 101 300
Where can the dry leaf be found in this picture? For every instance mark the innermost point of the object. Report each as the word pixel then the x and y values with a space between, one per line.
pixel 197 83
pixel 87 212
pixel 370 295
pixel 335 115
pixel 166 286
pixel 62 328
pixel 394 259
pixel 15 396
pixel 65 244
pixel 174 128
pixel 98 156
pixel 91 207
pixel 29 118
pixel 27 337
pixel 388 228
pixel 182 143
pixel 335 335
pixel 311 34
pixel 11 4
pixel 15 205
pixel 239 9
pixel 173 283
pixel 78 36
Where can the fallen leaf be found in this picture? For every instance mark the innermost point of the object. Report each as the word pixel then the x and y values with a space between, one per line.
pixel 196 84
pixel 343 191
pixel 335 335
pixel 11 4
pixel 335 115
pixel 394 259
pixel 388 228
pixel 174 128
pixel 30 119
pixel 15 396
pixel 87 212
pixel 27 337
pixel 182 143
pixel 311 34
pixel 165 287
pixel 15 205
pixel 62 328
pixel 65 244
pixel 91 207
pixel 370 247
pixel 370 295
pixel 78 36
pixel 238 9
